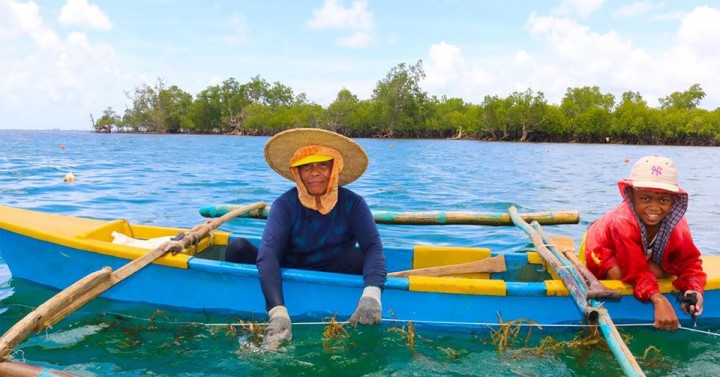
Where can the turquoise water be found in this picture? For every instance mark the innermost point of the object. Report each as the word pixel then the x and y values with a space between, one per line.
pixel 164 180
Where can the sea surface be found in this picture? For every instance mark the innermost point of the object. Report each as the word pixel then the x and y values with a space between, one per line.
pixel 165 179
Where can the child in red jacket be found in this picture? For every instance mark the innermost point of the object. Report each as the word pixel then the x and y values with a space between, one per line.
pixel 646 237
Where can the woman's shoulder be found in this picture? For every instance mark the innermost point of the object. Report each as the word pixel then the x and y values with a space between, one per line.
pixel 288 194
pixel 288 198
pixel 347 194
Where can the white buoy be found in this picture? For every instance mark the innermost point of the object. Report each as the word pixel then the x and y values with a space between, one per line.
pixel 69 177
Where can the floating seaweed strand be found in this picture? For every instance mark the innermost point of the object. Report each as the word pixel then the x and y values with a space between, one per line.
pixel 409 333
pixel 506 336
pixel 507 333
pixel 335 336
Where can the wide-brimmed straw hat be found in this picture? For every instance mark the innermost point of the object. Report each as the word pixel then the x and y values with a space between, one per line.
pixel 654 172
pixel 281 147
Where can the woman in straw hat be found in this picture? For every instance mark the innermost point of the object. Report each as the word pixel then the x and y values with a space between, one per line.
pixel 316 225
pixel 647 237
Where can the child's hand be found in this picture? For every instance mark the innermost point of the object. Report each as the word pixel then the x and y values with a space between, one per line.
pixel 665 317
pixel 696 309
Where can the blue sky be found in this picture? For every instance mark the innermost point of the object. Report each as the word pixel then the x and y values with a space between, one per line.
pixel 62 60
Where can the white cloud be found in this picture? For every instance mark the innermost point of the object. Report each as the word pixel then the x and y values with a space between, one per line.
pixel 83 14
pixel 334 16
pixel 238 34
pixel 617 65
pixel 356 18
pixel 22 20
pixel 694 57
pixel 357 40
pixel 587 58
pixel 638 8
pixel 447 72
pixel 61 75
pixel 573 42
pixel 701 30
pixel 670 16
pixel 583 8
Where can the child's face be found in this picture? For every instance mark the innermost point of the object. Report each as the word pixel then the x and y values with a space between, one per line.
pixel 652 206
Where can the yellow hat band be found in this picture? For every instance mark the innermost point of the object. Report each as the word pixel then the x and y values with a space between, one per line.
pixel 310 159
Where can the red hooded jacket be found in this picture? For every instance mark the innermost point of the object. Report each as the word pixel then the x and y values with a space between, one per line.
pixel 618 238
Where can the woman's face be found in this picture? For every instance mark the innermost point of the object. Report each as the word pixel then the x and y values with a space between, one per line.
pixel 315 176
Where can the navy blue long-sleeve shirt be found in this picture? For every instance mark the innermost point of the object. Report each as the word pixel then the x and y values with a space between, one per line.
pixel 298 237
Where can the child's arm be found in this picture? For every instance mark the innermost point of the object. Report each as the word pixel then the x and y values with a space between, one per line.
pixel 636 271
pixel 665 317
pixel 684 261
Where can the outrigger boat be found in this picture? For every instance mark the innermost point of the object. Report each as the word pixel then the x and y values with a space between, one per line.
pixel 429 285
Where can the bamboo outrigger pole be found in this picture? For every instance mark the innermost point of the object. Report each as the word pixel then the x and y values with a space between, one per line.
pixel 592 309
pixel 94 284
pixel 18 369
pixel 429 217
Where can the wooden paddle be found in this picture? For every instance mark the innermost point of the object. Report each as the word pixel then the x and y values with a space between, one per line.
pixel 494 264
pixel 94 284
pixel 595 289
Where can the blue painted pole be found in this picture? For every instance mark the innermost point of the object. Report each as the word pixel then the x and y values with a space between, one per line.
pixel 573 282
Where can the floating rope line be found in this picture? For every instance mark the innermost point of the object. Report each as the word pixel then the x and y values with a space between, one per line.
pixel 699 331
pixel 650 324
pixel 385 320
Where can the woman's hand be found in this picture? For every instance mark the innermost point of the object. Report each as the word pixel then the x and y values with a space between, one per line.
pixel 665 317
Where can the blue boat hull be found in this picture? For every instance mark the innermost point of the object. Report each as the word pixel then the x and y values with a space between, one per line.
pixel 222 287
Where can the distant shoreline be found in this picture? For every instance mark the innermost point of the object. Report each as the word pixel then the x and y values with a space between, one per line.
pixel 714 143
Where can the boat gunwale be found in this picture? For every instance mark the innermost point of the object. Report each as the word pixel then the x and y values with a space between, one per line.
pixel 81 240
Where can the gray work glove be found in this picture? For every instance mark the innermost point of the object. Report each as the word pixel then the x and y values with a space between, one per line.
pixel 278 328
pixel 369 309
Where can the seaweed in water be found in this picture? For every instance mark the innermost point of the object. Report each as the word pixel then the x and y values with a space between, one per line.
pixel 409 333
pixel 336 337
pixel 506 336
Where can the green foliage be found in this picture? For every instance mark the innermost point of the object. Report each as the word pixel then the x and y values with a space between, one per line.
pixel 526 111
pixel 342 114
pixel 687 100
pixel 107 121
pixel 578 100
pixel 206 112
pixel 400 101
pixel 399 107
pixel 494 117
pixel 554 128
pixel 447 117
pixel 174 104
pixel 588 112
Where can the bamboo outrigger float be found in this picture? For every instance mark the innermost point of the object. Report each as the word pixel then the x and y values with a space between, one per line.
pixel 446 286
pixel 428 217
